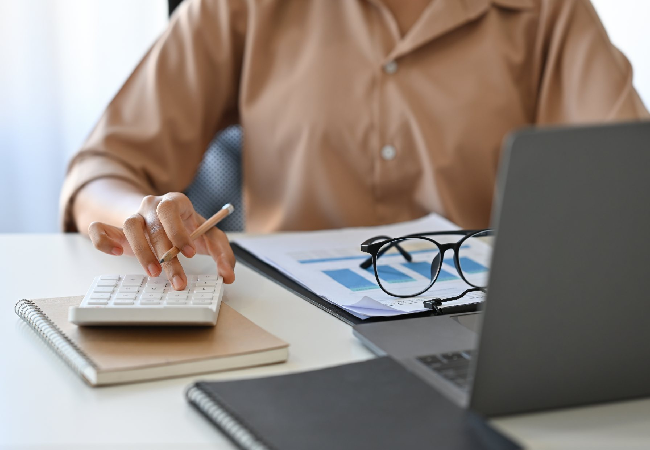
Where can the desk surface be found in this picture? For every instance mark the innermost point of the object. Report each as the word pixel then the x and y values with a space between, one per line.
pixel 44 405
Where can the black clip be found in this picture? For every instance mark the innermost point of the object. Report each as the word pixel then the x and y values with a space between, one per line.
pixel 433 303
pixel 438 307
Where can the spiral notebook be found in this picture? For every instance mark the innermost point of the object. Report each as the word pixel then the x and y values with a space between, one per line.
pixel 115 355
pixel 375 404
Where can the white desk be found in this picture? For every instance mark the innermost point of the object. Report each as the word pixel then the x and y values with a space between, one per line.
pixel 44 405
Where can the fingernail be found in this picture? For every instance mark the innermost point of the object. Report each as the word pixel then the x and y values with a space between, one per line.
pixel 177 282
pixel 116 251
pixel 188 251
pixel 153 270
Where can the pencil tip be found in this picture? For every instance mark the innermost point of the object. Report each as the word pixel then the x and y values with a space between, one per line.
pixel 162 260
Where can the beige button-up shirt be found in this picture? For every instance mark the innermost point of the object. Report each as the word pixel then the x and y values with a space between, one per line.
pixel 346 122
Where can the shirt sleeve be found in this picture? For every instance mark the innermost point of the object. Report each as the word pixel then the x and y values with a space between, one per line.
pixel 584 78
pixel 155 131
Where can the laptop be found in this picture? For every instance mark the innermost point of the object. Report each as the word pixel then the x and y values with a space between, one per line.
pixel 567 313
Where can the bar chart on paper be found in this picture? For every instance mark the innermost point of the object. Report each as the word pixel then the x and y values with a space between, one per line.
pixel 328 263
pixel 343 267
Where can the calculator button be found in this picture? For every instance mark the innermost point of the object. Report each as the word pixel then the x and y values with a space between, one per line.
pixel 128 289
pixel 134 278
pixel 201 302
pixel 149 302
pixel 151 296
pixel 204 289
pixel 131 283
pixel 206 283
pixel 156 281
pixel 125 296
pixel 156 289
pixel 109 277
pixel 202 296
pixel 177 295
pixel 123 302
pixel 98 302
pixel 184 293
pixel 100 296
pixel 207 277
pixel 106 282
pixel 104 289
pixel 175 302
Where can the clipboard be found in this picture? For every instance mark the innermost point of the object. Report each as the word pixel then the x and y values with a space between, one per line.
pixel 253 262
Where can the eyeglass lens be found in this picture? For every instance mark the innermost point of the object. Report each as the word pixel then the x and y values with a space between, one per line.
pixel 401 278
pixel 474 258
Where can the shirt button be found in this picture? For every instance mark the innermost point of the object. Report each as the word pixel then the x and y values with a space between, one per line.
pixel 390 67
pixel 388 152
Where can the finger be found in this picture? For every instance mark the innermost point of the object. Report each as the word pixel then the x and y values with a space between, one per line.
pixel 135 232
pixel 161 244
pixel 175 273
pixel 100 235
pixel 219 248
pixel 173 210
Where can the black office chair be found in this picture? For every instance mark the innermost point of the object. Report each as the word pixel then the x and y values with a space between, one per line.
pixel 219 178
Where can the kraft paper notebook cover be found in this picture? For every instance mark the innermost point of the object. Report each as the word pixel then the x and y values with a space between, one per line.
pixel 113 355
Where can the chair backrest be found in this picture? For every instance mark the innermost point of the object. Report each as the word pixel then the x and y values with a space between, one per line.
pixel 219 179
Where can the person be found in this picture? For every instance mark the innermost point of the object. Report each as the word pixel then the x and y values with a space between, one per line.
pixel 355 112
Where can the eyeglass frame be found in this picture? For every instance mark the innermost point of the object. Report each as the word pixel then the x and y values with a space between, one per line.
pixel 373 248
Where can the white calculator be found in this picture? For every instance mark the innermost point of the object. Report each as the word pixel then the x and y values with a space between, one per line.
pixel 142 300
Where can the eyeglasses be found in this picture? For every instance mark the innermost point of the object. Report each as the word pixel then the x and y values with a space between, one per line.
pixel 409 265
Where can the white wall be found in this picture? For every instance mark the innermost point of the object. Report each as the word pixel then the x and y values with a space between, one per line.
pixel 628 25
pixel 61 61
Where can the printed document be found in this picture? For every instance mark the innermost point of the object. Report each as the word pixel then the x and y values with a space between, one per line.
pixel 328 264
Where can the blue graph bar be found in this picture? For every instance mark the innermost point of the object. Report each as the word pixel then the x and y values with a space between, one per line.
pixel 391 274
pixel 424 269
pixel 470 266
pixel 350 280
pixel 335 258
pixel 446 276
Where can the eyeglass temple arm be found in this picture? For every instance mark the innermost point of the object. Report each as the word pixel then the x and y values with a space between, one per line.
pixel 368 262
pixel 433 303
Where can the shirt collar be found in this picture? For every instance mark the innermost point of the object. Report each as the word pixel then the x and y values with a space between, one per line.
pixel 443 16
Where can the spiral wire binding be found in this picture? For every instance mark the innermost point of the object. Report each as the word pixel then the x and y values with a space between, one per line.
pixel 242 437
pixel 52 335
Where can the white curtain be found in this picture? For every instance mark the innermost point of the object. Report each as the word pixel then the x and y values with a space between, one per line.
pixel 61 61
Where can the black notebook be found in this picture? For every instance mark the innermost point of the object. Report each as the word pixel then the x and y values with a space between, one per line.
pixel 253 262
pixel 375 404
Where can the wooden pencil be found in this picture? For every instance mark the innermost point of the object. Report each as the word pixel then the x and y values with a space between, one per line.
pixel 205 226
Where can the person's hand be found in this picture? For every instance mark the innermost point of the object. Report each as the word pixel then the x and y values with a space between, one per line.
pixel 160 223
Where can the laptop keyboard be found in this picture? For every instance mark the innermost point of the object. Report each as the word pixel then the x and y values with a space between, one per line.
pixel 453 366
